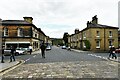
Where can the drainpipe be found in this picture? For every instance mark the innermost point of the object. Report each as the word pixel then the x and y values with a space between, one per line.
pixel 104 40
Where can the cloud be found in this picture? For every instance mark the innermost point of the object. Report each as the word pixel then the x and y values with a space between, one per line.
pixel 61 15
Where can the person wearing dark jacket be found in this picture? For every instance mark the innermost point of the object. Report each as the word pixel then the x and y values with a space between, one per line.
pixel 112 52
pixel 43 47
pixel 12 54
pixel 2 60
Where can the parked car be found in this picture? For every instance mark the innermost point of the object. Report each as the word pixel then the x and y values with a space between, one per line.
pixel 27 49
pixel 20 51
pixel 117 50
pixel 48 47
pixel 64 47
pixel 58 45
pixel 7 52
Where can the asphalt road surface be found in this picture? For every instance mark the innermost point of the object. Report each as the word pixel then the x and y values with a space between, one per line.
pixel 61 63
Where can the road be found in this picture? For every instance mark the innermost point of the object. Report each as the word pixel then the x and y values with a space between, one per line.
pixel 61 63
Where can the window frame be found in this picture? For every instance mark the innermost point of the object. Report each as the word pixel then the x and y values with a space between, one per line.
pixel 110 44
pixel 20 32
pixel 110 34
pixel 98 44
pixel 98 33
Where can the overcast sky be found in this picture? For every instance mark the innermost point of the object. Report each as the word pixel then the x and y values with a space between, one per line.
pixel 55 17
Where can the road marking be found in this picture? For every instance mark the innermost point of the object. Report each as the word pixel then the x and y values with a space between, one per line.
pixel 89 54
pixel 27 59
pixel 104 57
pixel 98 56
pixel 34 56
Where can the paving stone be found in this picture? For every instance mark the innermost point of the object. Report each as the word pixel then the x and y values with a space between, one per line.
pixel 78 69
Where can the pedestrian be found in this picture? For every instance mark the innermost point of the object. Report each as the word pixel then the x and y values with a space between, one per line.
pixel 2 60
pixel 30 47
pixel 43 47
pixel 69 48
pixel 12 56
pixel 112 52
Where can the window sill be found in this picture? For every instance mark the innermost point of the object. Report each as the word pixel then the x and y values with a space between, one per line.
pixel 97 47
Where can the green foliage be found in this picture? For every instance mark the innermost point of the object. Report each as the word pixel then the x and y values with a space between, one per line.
pixel 57 42
pixel 87 44
pixel 65 38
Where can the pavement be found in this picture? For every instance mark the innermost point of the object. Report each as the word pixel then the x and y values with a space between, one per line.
pixel 6 66
pixel 9 65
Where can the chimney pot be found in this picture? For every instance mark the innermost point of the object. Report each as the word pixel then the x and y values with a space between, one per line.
pixel 28 19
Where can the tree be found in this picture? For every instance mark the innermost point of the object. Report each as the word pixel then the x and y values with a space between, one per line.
pixel 65 38
pixel 87 44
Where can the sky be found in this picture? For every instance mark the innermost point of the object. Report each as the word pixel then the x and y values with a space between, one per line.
pixel 55 17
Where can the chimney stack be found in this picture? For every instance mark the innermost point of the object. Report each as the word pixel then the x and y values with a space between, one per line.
pixel 28 19
pixel 0 19
pixel 88 23
pixel 76 31
pixel 95 20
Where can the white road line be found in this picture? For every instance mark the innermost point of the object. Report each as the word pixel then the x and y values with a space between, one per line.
pixel 34 56
pixel 27 59
pixel 104 57
pixel 98 56
pixel 89 54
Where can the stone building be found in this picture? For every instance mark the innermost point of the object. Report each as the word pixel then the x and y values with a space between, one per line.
pixel 21 33
pixel 119 38
pixel 96 37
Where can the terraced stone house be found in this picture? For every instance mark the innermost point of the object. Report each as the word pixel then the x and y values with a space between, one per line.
pixel 95 37
pixel 21 33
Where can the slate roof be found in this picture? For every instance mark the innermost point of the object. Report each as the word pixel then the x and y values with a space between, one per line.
pixel 100 26
pixel 19 22
pixel 91 25
pixel 15 22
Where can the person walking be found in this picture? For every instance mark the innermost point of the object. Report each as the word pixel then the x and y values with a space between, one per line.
pixel 43 47
pixel 112 52
pixel 2 59
pixel 30 47
pixel 12 56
